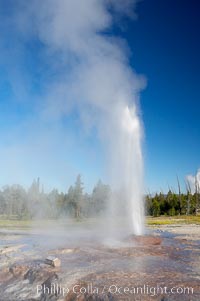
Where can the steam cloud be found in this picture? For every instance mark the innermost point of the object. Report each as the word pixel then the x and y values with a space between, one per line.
pixel 89 76
pixel 194 182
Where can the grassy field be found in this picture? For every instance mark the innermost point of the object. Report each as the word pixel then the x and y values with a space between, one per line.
pixel 38 223
pixel 150 221
pixel 21 224
pixel 170 220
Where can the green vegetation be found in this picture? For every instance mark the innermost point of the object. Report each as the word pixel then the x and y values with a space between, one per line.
pixel 16 203
pixel 20 205
pixel 172 204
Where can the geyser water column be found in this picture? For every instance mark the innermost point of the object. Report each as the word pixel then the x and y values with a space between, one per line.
pixel 127 167
pixel 133 173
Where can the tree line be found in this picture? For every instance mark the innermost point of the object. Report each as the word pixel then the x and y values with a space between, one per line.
pixel 172 204
pixel 19 203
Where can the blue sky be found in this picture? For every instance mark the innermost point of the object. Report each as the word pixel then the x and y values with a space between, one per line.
pixel 164 46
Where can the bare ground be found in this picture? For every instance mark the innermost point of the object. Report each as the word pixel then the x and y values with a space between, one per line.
pixel 132 269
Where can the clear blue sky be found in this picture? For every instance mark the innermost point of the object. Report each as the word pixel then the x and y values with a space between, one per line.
pixel 165 46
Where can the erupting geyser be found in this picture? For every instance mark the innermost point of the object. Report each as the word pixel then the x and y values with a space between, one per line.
pixel 95 81
pixel 133 174
pixel 127 167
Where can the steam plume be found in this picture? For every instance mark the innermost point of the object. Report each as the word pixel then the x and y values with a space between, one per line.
pixel 93 79
pixel 194 182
